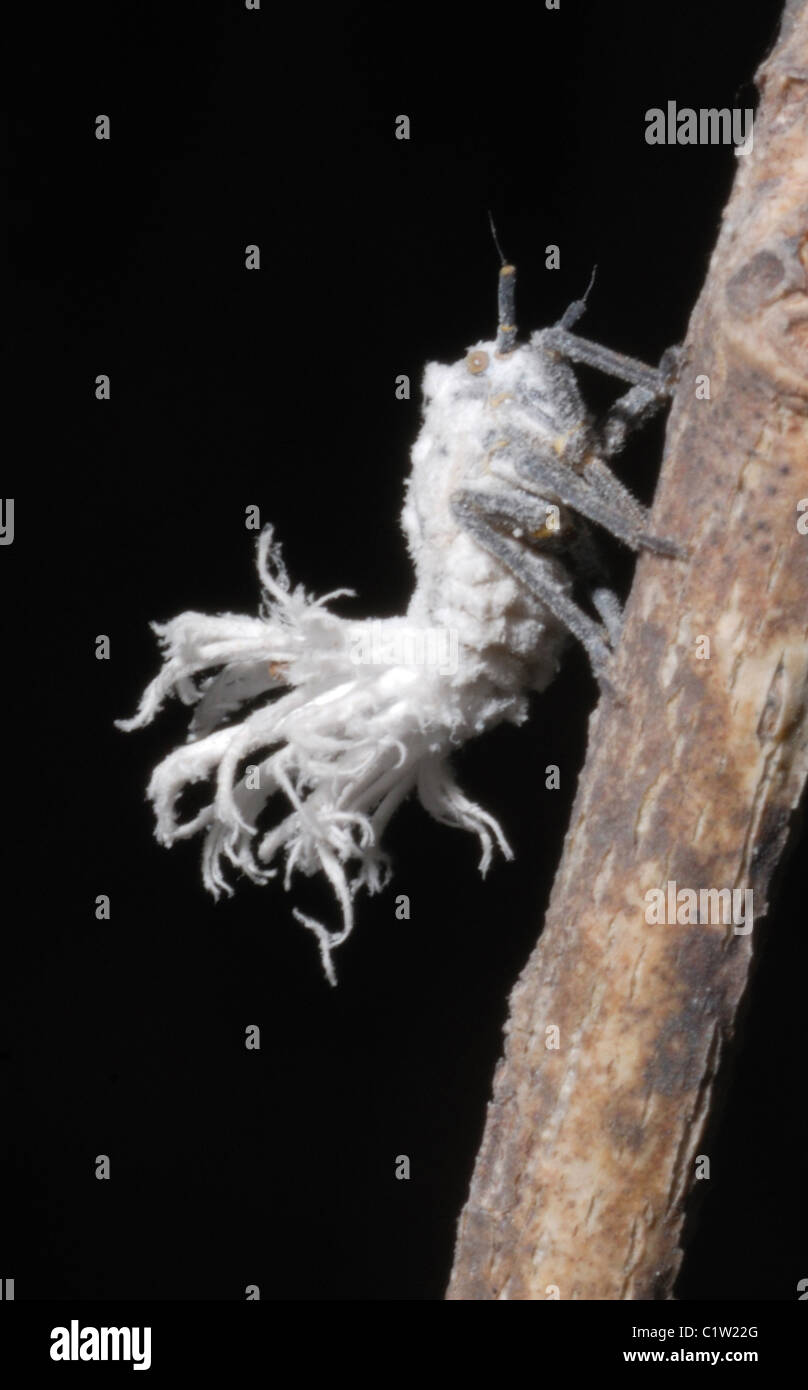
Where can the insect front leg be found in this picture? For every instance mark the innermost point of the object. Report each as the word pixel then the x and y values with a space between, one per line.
pixel 658 380
pixel 638 404
pixel 651 387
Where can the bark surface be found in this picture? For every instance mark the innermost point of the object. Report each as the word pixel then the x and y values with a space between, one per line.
pixel 692 776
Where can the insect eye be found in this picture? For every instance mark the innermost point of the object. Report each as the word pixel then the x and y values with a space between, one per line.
pixel 477 362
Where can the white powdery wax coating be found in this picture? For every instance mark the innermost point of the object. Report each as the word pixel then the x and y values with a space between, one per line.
pixel 357 715
pixel 472 423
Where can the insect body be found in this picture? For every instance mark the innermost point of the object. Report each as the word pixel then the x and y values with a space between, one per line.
pixel 508 471
pixel 507 452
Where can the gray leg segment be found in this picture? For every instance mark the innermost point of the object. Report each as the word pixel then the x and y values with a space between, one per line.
pixel 608 504
pixel 518 510
pixel 652 386
pixel 604 483
pixel 589 354
pixel 627 414
pixel 611 611
pixel 472 510
pixel 638 405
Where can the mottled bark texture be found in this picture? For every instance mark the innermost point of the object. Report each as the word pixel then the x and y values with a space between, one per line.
pixel 693 774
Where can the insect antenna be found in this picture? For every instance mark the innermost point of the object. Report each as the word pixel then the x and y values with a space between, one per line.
pixel 506 299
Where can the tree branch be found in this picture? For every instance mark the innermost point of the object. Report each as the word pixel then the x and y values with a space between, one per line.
pixel 692 775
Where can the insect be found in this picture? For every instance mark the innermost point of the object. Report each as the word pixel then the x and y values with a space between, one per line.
pixel 509 470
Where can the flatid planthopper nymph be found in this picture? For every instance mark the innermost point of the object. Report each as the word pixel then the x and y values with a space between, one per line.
pixel 509 474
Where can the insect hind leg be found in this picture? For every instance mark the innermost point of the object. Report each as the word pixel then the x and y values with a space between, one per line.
pixel 596 493
pixel 484 522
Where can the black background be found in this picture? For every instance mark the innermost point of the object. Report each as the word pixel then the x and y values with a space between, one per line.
pixel 275 388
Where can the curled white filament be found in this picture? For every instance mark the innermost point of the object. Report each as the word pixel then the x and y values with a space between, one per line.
pixel 344 744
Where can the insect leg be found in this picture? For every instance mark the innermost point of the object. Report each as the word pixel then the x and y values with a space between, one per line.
pixel 627 414
pixel 474 512
pixel 519 512
pixel 651 389
pixel 657 380
pixel 610 609
pixel 604 482
pixel 516 510
pixel 638 405
pixel 603 503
